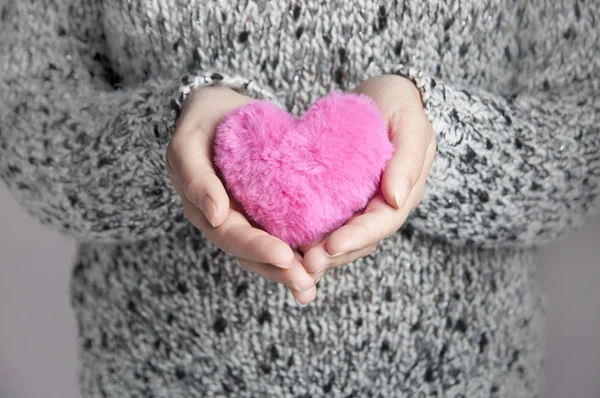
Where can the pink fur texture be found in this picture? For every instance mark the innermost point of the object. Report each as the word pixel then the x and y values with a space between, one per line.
pixel 300 179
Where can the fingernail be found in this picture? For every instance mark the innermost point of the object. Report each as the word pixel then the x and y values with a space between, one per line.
pixel 210 210
pixel 295 287
pixel 401 191
pixel 301 305
pixel 319 273
pixel 334 255
pixel 284 266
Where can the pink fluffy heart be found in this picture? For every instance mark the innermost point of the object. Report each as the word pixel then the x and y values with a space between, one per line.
pixel 300 179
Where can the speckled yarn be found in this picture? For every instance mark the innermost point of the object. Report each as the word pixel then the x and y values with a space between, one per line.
pixel 447 307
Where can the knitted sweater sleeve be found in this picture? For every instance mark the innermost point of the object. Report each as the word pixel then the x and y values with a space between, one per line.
pixel 518 169
pixel 79 150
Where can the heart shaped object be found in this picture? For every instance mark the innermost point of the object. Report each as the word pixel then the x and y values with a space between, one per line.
pixel 300 179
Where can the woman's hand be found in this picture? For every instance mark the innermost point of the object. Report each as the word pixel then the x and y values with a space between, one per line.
pixel 206 202
pixel 403 182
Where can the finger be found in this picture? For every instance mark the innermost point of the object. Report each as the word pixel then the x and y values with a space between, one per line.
pixel 306 297
pixel 378 221
pixel 307 246
pixel 317 261
pixel 237 237
pixel 296 277
pixel 410 135
pixel 353 256
pixel 194 177
pixel 189 154
pixel 174 178
pixel 419 189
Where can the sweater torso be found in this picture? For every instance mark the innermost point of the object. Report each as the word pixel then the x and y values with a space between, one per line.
pixel 175 317
pixel 446 307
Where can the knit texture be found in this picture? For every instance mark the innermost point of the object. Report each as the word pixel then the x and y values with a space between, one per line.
pixel 447 307
pixel 300 179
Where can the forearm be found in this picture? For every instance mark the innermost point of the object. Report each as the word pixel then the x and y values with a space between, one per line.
pixel 510 171
pixel 81 155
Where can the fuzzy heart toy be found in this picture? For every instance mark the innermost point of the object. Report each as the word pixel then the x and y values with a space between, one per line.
pixel 300 179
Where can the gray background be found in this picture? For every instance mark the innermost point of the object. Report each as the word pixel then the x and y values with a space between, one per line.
pixel 37 333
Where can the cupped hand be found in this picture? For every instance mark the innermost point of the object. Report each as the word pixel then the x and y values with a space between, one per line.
pixel 207 204
pixel 403 181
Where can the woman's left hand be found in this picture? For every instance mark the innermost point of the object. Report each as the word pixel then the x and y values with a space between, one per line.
pixel 403 182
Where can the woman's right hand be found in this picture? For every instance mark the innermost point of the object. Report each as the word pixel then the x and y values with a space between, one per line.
pixel 206 202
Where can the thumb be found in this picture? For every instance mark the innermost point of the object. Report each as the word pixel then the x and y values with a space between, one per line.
pixel 189 155
pixel 411 138
pixel 400 102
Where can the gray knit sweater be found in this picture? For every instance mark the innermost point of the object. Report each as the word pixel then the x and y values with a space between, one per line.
pixel 448 307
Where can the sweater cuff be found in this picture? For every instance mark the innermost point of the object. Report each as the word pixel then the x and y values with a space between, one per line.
pixel 206 79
